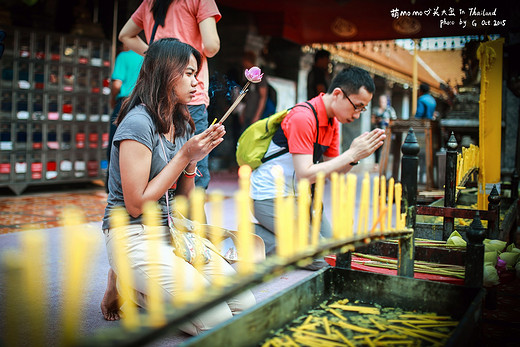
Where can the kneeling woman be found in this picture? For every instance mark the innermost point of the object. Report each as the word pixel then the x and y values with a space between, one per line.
pixel 154 150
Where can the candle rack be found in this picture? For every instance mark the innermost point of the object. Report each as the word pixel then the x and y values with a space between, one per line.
pixel 268 269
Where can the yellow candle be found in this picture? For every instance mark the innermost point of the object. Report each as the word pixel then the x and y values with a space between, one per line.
pixel 280 215
pixel 118 221
pixel 390 203
pixel 244 174
pixel 363 208
pixel 350 205
pixel 382 201
pixel 78 249
pixel 197 199
pixel 341 209
pixel 244 179
pixel 289 226
pixel 182 294
pixel 375 200
pixel 33 248
pixel 304 202
pixel 245 227
pixel 334 194
pixel 244 247
pixel 398 196
pixel 156 316
pixel 12 264
pixel 378 220
pixel 317 207
pixel 216 199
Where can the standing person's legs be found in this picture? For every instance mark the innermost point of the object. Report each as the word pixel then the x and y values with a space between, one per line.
pixel 199 114
pixel 263 211
pixel 170 273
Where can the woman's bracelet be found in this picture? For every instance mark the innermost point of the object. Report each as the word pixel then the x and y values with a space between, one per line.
pixel 190 174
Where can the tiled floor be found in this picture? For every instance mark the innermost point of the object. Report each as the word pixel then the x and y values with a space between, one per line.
pixel 42 209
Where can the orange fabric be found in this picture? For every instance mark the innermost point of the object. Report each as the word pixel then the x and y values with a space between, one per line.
pixel 182 22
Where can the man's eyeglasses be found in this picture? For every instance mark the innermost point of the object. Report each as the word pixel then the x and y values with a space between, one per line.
pixel 356 108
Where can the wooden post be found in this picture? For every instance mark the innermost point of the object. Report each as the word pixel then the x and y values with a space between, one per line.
pixel 514 185
pixel 474 271
pixel 410 161
pixel 395 144
pixel 405 256
pixel 494 206
pixel 344 260
pixel 450 185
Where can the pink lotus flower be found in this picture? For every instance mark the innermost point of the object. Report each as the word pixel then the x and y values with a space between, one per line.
pixel 254 74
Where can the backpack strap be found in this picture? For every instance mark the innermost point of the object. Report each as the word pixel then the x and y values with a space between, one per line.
pixel 316 150
pixel 286 149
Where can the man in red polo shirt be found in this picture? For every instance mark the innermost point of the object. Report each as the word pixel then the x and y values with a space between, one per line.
pixel 348 95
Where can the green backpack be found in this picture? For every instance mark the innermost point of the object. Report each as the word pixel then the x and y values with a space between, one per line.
pixel 254 141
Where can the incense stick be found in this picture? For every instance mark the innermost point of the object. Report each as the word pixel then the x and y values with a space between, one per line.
pixel 232 107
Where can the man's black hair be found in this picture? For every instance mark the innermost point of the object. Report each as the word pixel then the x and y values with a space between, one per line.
pixel 424 88
pixel 351 79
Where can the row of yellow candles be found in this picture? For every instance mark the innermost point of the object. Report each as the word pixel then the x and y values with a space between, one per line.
pixel 187 290
pixel 294 237
pixel 466 161
pixel 26 282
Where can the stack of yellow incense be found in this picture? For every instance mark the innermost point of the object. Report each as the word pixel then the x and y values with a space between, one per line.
pixel 449 270
pixel 363 325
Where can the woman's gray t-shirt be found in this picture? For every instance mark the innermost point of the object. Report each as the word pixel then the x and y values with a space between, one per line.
pixel 138 125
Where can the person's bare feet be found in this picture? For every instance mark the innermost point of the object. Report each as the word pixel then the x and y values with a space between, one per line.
pixel 110 302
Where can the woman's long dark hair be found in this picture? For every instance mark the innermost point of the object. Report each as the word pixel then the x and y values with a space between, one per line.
pixel 159 9
pixel 164 64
